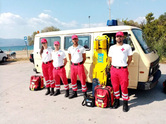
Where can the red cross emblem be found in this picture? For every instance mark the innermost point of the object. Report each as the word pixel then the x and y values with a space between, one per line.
pixel 47 52
pixel 59 55
pixel 78 51
pixel 122 49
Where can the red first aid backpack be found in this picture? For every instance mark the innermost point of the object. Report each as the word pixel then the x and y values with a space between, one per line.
pixel 36 82
pixel 104 96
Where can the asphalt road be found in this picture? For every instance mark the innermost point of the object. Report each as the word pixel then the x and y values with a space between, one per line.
pixel 19 105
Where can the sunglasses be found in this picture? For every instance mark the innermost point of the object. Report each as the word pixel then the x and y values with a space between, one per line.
pixel 43 43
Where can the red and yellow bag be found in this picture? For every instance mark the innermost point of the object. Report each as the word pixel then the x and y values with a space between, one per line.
pixel 36 82
pixel 104 96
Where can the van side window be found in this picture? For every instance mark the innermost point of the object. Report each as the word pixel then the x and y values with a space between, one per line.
pixel 83 41
pixel 50 41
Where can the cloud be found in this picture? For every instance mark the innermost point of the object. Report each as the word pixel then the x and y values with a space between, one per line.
pixel 15 26
pixel 140 20
pixel 10 19
pixel 93 25
pixel 110 1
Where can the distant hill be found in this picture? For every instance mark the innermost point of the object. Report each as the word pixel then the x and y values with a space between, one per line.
pixel 11 42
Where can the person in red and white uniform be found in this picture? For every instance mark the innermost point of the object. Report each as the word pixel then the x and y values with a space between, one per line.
pixel 47 67
pixel 59 63
pixel 120 56
pixel 77 56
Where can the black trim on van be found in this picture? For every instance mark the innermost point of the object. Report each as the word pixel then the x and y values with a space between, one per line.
pixel 149 85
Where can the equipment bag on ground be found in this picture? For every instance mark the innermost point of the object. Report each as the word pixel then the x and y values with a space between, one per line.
pixel 104 96
pixel 36 82
pixel 89 101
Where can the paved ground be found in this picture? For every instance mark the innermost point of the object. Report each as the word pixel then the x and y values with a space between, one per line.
pixel 19 105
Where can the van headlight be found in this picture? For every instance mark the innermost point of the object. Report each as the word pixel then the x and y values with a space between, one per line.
pixel 151 70
pixel 151 78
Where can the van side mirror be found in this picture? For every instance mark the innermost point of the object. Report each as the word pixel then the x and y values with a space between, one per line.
pixel 132 48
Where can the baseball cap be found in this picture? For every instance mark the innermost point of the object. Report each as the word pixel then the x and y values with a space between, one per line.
pixel 43 40
pixel 119 34
pixel 56 43
pixel 74 36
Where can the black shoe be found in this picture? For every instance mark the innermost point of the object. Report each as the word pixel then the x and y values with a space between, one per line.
pixel 85 94
pixel 52 91
pixel 125 106
pixel 57 92
pixel 116 103
pixel 48 91
pixel 74 94
pixel 67 93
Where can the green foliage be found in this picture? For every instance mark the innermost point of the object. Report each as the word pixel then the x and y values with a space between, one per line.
pixel 154 31
pixel 46 29
pixel 49 29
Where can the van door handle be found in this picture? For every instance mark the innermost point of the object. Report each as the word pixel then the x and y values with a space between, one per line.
pixel 88 57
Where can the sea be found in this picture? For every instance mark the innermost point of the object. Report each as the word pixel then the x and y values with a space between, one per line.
pixel 16 48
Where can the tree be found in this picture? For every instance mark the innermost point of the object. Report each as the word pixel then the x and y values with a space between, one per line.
pixel 154 31
pixel 46 29
pixel 31 38
pixel 49 29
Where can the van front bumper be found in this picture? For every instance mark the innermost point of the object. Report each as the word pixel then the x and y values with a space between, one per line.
pixel 149 85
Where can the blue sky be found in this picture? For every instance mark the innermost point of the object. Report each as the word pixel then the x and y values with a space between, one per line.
pixel 19 18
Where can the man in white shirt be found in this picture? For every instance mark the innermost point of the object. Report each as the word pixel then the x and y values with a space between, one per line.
pixel 77 56
pixel 59 72
pixel 120 57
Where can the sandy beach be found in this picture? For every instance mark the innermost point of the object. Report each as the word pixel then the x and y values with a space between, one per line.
pixel 20 55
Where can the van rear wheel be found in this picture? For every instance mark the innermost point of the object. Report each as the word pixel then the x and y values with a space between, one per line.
pixel 4 59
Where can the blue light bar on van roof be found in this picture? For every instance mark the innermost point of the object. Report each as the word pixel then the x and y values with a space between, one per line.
pixel 112 22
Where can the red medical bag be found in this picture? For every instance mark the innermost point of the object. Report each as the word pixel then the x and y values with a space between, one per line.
pixel 104 96
pixel 36 82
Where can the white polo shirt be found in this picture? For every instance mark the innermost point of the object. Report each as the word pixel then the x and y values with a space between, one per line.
pixel 58 57
pixel 76 53
pixel 120 54
pixel 47 55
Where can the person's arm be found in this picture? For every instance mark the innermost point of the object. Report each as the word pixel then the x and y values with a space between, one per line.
pixel 65 61
pixel 69 57
pixel 129 60
pixel 84 57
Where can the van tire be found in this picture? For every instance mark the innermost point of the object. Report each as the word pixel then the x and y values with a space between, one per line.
pixel 4 59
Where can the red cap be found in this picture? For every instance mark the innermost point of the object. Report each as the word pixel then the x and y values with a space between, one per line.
pixel 119 34
pixel 74 36
pixel 43 40
pixel 56 43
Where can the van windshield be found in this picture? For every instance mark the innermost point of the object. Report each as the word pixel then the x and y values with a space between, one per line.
pixel 139 36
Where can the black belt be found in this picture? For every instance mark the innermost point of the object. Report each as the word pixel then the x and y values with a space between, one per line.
pixel 117 67
pixel 59 67
pixel 47 62
pixel 77 63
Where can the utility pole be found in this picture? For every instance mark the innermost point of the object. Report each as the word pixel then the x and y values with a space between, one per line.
pixel 89 21
pixel 109 10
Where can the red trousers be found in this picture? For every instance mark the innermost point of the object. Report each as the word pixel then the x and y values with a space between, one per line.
pixel 78 70
pixel 119 77
pixel 60 73
pixel 47 73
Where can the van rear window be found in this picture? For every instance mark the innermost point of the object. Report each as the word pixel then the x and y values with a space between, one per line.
pixel 50 41
pixel 83 41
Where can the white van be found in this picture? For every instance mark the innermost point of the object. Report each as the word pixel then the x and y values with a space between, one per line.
pixel 3 56
pixel 143 71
